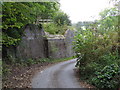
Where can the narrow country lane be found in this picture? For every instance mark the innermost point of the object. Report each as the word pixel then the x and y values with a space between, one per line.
pixel 58 76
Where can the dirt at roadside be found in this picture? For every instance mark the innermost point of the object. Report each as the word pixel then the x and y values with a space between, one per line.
pixel 20 77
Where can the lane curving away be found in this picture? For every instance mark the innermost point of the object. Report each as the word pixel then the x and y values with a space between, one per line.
pixel 57 76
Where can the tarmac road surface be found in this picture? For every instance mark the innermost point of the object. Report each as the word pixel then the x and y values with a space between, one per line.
pixel 61 75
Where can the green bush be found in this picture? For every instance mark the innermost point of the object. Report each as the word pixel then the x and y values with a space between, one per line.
pixel 87 72
pixel 103 73
pixel 45 60
pixel 94 53
pixel 106 77
pixel 108 59
pixel 29 62
pixel 5 69
pixel 52 28
pixel 91 46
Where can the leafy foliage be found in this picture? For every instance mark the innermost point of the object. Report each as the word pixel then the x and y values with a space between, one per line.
pixel 18 14
pixel 59 25
pixel 52 28
pixel 98 50
pixel 109 20
pixel 107 77
pixel 61 18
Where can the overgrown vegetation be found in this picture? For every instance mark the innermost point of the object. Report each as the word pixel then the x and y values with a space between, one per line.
pixel 98 50
pixel 59 24
pixel 52 28
pixel 15 16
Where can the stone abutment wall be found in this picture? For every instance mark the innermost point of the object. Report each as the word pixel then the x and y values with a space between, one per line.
pixel 35 44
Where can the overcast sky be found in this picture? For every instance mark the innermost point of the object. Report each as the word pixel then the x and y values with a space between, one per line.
pixel 83 10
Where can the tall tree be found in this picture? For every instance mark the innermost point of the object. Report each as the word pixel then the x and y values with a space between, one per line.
pixel 61 18
pixel 18 14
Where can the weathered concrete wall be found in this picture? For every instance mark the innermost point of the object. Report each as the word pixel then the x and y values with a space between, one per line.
pixel 60 46
pixel 33 44
pixel 57 48
pixel 69 38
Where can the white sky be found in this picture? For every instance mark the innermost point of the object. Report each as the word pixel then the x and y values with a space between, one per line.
pixel 83 10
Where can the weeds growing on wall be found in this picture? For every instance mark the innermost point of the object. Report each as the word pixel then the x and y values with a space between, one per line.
pixel 52 28
pixel 59 24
